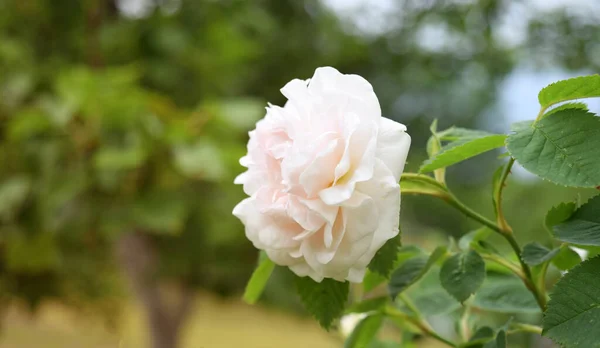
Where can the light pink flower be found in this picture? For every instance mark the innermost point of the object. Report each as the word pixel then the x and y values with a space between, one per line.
pixel 322 177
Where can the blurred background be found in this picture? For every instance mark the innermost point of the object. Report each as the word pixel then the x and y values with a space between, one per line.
pixel 122 122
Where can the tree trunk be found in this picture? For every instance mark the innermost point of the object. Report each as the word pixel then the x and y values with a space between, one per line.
pixel 139 262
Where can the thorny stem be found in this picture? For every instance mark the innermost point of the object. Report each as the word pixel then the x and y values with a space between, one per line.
pixel 507 232
pixel 417 321
pixel 504 231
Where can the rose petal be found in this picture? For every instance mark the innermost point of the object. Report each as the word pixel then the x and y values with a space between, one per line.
pixel 393 144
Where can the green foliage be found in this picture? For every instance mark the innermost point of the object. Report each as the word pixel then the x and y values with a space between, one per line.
pixel 259 279
pixel 422 184
pixel 429 297
pixel 576 105
pixel 505 295
pixel 464 144
pixel 573 315
pixel 544 150
pixel 462 274
pixel 583 226
pixel 473 238
pixel 385 258
pixel 483 335
pixel 558 214
pixel 364 333
pixel 368 305
pixel 535 254
pixel 575 88
pixel 373 279
pixel 412 270
pixel 13 193
pixel 325 300
pixel 566 258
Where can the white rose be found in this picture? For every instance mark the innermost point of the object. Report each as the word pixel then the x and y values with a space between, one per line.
pixel 322 177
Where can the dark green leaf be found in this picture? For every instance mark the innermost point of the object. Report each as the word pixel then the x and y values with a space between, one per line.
pixel 535 254
pixel 386 256
pixel 259 279
pixel 364 332
pixel 583 226
pixel 373 279
pixel 462 274
pixel 505 295
pixel 563 148
pixel 325 300
pixel 483 335
pixel 412 270
pixel 467 144
pixel 573 315
pixel 558 214
pixel 575 88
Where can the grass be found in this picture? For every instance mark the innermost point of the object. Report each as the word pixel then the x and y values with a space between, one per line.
pixel 215 323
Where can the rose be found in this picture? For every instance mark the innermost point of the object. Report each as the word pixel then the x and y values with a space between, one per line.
pixel 322 177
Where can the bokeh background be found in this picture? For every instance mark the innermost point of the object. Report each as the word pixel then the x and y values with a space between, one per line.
pixel 122 121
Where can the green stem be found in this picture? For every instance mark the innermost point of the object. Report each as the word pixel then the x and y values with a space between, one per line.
pixel 464 324
pixel 541 113
pixel 507 232
pixel 453 201
pixel 506 263
pixel 520 327
pixel 500 219
pixel 420 324
pixel 508 235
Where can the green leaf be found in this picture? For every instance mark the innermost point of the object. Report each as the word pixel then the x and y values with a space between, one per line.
pixel 422 184
pixel 434 301
pixel 500 340
pixel 573 315
pixel 364 332
pixel 566 258
pixel 535 254
pixel 372 304
pixel 505 295
pixel 558 214
pixel 373 279
pixel 473 237
pixel 325 300
pixel 482 335
pixel 583 226
pixel 412 270
pixel 466 144
pixel 575 88
pixel 580 106
pixel 259 279
pixel 462 274
pixel 383 261
pixel 563 148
